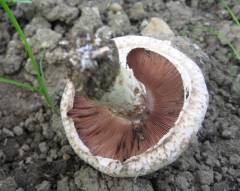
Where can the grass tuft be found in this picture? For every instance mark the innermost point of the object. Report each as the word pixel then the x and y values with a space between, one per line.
pixel 18 84
pixel 42 88
pixel 230 12
pixel 236 20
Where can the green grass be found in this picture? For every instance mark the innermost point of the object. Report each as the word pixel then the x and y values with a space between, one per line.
pixel 237 22
pixel 37 67
pixel 230 11
pixel 19 1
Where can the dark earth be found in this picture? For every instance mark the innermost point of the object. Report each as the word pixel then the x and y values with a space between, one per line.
pixel 34 152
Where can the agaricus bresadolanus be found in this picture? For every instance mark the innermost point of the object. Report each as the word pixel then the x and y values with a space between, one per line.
pixel 147 118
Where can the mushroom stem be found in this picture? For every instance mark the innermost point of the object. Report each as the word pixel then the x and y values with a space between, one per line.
pixel 126 94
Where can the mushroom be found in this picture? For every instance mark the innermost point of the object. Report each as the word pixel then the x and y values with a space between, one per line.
pixel 147 118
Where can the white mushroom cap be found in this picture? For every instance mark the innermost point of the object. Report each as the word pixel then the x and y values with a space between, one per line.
pixel 171 145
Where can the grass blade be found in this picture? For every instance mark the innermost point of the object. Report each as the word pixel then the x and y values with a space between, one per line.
pixel 19 1
pixel 41 81
pixel 18 84
pixel 234 17
pixel 22 1
pixel 15 23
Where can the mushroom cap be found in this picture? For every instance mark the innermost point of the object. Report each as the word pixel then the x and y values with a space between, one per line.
pixel 172 144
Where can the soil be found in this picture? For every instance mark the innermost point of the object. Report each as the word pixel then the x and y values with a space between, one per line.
pixel 34 152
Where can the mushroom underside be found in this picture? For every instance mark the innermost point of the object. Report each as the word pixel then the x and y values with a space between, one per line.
pixel 121 135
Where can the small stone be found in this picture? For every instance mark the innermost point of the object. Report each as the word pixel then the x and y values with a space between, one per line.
pixel 43 147
pixel 44 186
pixel 45 38
pixel 10 149
pixel 205 188
pixel 162 185
pixel 63 13
pixel 205 177
pixel 73 3
pixel 56 10
pixel 8 184
pixel 7 132
pixel 55 57
pixel 180 13
pixel 157 28
pixel 66 156
pixel 20 189
pixel 53 154
pixel 227 134
pixel 235 159
pixel 83 25
pixel 47 131
pixel 62 185
pixel 102 5
pixel 217 176
pixel 119 23
pixel 18 130
pixel 182 182
pixel 221 186
pixel 137 12
pixel 14 57
pixel 115 7
pixel 36 23
pixel 104 32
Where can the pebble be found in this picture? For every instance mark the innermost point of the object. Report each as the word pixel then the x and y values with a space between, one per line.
pixel 104 32
pixel 221 186
pixel 157 28
pixel 63 13
pixel 7 132
pixel 234 159
pixel 53 154
pixel 55 57
pixel 20 189
pixel 180 14
pixel 82 26
pixel 36 23
pixel 73 3
pixel 10 149
pixel 218 177
pixel 137 12
pixel 43 147
pixel 8 184
pixel 47 131
pixel 45 38
pixel 14 57
pixel 119 23
pixel 205 177
pixel 205 188
pixel 18 130
pixel 62 185
pixel 102 5
pixel 44 186
pixel 115 7
pixel 56 10
pixel 182 182
pixel 227 134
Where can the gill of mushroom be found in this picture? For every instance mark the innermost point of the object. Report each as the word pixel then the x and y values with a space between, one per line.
pixel 147 118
